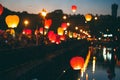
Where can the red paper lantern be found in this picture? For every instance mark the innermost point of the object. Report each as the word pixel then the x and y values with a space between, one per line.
pixel 50 33
pixel 41 30
pixel 27 31
pixel 1 9
pixel 53 38
pixel 57 39
pixel 62 37
pixel 74 8
pixel 77 62
pixel 64 26
pixel 48 23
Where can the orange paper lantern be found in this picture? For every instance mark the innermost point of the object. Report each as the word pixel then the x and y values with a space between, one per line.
pixel 60 31
pixel 77 62
pixel 12 21
pixel 88 17
pixel 62 37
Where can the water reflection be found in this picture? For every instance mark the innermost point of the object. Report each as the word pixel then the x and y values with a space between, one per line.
pixel 102 64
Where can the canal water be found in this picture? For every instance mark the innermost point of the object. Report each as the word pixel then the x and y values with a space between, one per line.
pixel 101 63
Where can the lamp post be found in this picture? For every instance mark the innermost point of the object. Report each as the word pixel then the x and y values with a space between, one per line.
pixel 43 13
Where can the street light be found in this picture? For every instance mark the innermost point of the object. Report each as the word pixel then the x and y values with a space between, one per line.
pixel 26 22
pixel 43 13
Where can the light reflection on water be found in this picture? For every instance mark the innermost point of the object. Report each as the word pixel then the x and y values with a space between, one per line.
pixel 102 64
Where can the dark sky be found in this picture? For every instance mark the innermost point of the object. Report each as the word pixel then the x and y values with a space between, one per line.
pixel 83 6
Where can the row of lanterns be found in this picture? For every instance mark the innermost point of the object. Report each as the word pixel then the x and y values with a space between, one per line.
pixel 88 17
pixel 13 20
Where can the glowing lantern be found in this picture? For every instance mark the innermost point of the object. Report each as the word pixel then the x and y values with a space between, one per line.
pixel 62 37
pixel 11 31
pixel 57 39
pixel 70 34
pixel 74 35
pixel 41 30
pixel 48 23
pixel 1 9
pixel 12 21
pixel 50 33
pixel 64 26
pixel 74 8
pixel 36 32
pixel 77 62
pixel 53 38
pixel 88 17
pixel 60 31
pixel 27 31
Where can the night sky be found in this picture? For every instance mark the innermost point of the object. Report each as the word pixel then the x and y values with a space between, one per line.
pixel 83 6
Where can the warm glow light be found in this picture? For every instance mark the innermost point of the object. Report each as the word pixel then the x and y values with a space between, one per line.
pixel 68 24
pixel 81 30
pixel 44 12
pixel 64 26
pixel 50 34
pixel 11 31
pixel 70 34
pixel 74 35
pixel 27 31
pixel 64 17
pixel 48 23
pixel 87 60
pixel 26 22
pixel 76 28
pixel 96 18
pixel 41 30
pixel 62 37
pixel 53 38
pixel 74 8
pixel 77 62
pixel 88 17
pixel 86 76
pixel 57 39
pixel 60 31
pixel 12 21
pixel 94 62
